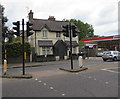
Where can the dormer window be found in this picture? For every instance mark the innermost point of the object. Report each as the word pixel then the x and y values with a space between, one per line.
pixel 45 33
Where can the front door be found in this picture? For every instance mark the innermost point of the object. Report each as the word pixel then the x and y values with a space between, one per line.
pixel 60 49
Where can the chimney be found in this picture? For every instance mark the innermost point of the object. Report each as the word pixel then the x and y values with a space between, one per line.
pixel 51 18
pixel 30 14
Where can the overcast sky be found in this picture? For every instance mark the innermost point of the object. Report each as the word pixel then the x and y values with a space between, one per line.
pixel 102 14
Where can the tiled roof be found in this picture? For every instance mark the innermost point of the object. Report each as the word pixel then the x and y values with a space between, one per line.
pixel 54 26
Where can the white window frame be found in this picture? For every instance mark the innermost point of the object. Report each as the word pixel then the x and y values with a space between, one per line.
pixel 74 50
pixel 46 50
pixel 45 33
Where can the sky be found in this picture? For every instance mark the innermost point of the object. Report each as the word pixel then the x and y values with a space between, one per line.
pixel 102 14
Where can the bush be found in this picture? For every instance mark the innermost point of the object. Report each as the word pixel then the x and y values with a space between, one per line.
pixel 15 49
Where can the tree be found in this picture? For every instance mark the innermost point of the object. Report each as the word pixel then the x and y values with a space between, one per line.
pixel 86 30
pixel 89 30
pixel 96 36
pixel 17 39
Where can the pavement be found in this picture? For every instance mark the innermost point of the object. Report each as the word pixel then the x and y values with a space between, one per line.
pixel 35 64
pixel 28 64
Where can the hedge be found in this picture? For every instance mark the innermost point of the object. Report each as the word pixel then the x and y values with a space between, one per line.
pixel 15 49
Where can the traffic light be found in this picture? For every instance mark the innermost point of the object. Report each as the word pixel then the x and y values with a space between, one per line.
pixel 65 30
pixel 74 32
pixel 17 28
pixel 29 29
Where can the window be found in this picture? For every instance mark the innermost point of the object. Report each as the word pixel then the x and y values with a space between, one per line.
pixel 106 52
pixel 45 33
pixel 58 34
pixel 73 50
pixel 46 50
pixel 114 53
pixel 43 50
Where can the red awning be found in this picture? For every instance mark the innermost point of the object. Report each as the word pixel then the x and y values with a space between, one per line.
pixel 101 39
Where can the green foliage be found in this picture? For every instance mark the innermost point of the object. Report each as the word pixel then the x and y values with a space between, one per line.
pixel 17 39
pixel 86 30
pixel 96 36
pixel 15 49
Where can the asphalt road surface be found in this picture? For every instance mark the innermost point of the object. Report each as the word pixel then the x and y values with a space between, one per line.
pixel 100 80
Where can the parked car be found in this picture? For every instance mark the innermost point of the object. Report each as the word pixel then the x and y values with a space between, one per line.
pixel 99 54
pixel 111 55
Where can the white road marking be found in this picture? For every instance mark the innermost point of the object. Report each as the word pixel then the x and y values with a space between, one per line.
pixel 94 78
pixel 44 84
pixel 110 70
pixel 40 81
pixel 51 88
pixel 63 94
pixel 106 82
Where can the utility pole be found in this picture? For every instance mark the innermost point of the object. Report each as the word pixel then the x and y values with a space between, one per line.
pixel 70 33
pixel 23 46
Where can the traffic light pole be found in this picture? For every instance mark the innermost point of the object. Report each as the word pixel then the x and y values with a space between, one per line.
pixel 70 34
pixel 23 46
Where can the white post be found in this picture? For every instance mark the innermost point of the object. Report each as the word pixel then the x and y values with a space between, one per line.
pixel 65 57
pixel 31 57
pixel 57 58
pixel 80 61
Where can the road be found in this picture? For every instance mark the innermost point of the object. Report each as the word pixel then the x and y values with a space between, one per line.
pixel 100 80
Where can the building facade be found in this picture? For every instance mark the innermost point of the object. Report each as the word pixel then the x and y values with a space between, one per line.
pixel 48 40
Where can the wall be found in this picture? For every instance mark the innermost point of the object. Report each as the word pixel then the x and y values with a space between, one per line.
pixel 42 58
pixel 17 60
pixel 51 36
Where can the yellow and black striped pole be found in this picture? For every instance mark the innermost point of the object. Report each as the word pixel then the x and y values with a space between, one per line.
pixel 5 63
pixel 25 56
